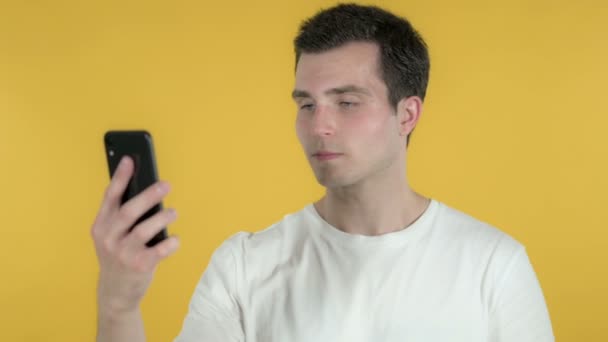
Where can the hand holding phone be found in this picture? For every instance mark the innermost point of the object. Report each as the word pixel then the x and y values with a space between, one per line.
pixel 139 147
pixel 128 222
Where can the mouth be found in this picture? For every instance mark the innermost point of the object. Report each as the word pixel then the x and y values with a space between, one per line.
pixel 325 155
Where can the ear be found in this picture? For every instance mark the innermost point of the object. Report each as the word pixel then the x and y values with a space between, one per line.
pixel 409 110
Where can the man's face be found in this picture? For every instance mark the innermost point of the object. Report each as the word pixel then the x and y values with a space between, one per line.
pixel 345 123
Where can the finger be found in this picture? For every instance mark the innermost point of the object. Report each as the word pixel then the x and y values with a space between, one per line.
pixel 135 241
pixel 118 184
pixel 112 195
pixel 134 208
pixel 147 259
pixel 146 230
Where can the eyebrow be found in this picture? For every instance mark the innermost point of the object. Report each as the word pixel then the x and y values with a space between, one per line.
pixel 333 91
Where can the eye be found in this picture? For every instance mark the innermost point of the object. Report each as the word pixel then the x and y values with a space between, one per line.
pixel 348 104
pixel 307 106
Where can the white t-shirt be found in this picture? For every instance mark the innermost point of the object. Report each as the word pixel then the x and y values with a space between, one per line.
pixel 446 278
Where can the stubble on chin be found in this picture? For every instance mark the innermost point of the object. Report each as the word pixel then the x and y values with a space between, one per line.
pixel 331 178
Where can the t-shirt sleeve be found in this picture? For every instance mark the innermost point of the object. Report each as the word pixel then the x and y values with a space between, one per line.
pixel 519 312
pixel 214 313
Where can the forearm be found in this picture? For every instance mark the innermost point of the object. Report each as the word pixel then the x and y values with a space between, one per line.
pixel 127 327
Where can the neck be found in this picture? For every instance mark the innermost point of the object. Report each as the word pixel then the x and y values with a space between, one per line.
pixel 372 207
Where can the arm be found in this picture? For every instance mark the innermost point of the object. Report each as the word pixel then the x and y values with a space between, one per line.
pixel 126 265
pixel 520 312
pixel 120 327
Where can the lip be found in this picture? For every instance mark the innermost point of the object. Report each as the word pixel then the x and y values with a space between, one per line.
pixel 326 155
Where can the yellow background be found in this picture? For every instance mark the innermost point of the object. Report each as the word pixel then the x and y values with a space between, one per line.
pixel 513 132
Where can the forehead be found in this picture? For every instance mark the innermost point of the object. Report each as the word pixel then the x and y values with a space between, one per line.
pixel 355 63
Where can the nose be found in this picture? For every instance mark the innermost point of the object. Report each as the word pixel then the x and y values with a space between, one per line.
pixel 323 122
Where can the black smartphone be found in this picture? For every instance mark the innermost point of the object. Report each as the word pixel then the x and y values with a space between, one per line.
pixel 137 145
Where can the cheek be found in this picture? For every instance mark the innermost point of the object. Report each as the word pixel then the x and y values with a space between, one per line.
pixel 371 139
pixel 371 131
pixel 301 127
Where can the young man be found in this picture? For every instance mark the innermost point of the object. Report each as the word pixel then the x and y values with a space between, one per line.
pixel 370 261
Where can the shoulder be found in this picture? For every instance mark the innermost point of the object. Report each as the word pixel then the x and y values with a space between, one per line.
pixel 461 229
pixel 280 235
pixel 481 250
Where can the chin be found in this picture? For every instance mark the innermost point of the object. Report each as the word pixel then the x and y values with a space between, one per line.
pixel 334 181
